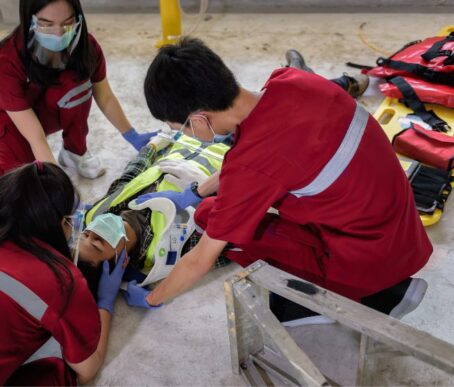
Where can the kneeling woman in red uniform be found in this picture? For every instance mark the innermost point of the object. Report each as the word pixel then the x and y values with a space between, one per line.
pixel 50 68
pixel 51 330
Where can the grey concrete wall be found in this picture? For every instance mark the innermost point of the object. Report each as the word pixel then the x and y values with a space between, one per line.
pixel 9 8
pixel 286 6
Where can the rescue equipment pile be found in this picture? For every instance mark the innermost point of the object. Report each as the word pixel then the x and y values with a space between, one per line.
pixel 421 72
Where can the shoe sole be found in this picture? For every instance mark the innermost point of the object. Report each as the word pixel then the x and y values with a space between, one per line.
pixel 312 320
pixel 412 298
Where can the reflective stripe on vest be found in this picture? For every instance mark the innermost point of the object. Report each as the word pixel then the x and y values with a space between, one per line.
pixel 341 159
pixel 36 307
pixel 198 158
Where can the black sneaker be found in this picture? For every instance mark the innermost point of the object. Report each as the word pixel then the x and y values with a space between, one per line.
pixel 398 300
pixel 296 60
pixel 291 314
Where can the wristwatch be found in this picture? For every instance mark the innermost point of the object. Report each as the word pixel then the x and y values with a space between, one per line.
pixel 194 189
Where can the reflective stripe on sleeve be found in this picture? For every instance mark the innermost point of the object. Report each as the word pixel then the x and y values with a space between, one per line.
pixel 51 348
pixel 36 307
pixel 341 159
pixel 23 296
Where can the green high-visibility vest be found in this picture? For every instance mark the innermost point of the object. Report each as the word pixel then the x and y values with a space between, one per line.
pixel 207 159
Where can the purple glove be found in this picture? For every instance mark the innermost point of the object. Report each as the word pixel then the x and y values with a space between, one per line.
pixel 137 296
pixel 138 140
pixel 109 283
pixel 180 199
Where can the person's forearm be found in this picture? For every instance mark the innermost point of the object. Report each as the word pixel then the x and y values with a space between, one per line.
pixel 29 126
pixel 100 352
pixel 112 110
pixel 187 272
pixel 209 186
pixel 41 149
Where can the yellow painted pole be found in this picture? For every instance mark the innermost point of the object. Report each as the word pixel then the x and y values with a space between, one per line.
pixel 170 21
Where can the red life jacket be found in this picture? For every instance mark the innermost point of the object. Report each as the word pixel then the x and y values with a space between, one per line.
pixel 421 72
pixel 431 60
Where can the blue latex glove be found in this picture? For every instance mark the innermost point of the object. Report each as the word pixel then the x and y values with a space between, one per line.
pixel 110 283
pixel 180 199
pixel 136 296
pixel 138 140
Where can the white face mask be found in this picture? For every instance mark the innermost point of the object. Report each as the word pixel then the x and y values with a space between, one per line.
pixel 109 227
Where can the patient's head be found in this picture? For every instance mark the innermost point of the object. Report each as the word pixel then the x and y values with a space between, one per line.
pixel 94 249
pixel 103 239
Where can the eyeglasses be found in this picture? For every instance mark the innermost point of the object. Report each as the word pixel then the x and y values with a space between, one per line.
pixel 69 220
pixel 44 27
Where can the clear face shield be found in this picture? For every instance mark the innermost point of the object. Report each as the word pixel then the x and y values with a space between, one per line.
pixel 77 221
pixel 52 46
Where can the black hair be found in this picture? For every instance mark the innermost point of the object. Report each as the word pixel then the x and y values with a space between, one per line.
pixel 82 60
pixel 33 201
pixel 187 77
pixel 92 274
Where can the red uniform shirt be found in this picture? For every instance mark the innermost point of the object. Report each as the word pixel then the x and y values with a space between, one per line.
pixel 17 93
pixel 366 220
pixel 76 328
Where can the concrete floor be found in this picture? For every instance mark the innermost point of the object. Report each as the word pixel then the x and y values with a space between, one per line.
pixel 186 342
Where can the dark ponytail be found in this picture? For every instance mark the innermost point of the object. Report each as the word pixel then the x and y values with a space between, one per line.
pixel 33 201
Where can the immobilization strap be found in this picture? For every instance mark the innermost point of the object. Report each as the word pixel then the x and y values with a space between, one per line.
pixel 421 71
pixel 436 51
pixel 413 102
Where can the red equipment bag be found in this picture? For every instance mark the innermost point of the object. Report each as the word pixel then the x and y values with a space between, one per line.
pixel 427 92
pixel 429 147
pixel 431 59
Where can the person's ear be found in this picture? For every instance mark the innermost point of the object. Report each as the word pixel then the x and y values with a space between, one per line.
pixel 67 228
pixel 198 120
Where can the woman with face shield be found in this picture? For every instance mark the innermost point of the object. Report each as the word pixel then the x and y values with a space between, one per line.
pixel 50 70
pixel 52 330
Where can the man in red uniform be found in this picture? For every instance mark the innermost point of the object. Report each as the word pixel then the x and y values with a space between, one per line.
pixel 347 219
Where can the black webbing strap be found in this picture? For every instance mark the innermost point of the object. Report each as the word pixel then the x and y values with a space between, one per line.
pixel 436 51
pixel 421 71
pixel 358 66
pixel 413 102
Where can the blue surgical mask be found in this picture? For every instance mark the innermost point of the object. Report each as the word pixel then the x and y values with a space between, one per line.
pixel 223 139
pixel 53 42
pixel 109 227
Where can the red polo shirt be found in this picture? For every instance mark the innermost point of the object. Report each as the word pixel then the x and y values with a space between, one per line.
pixel 17 93
pixel 366 219
pixel 73 321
